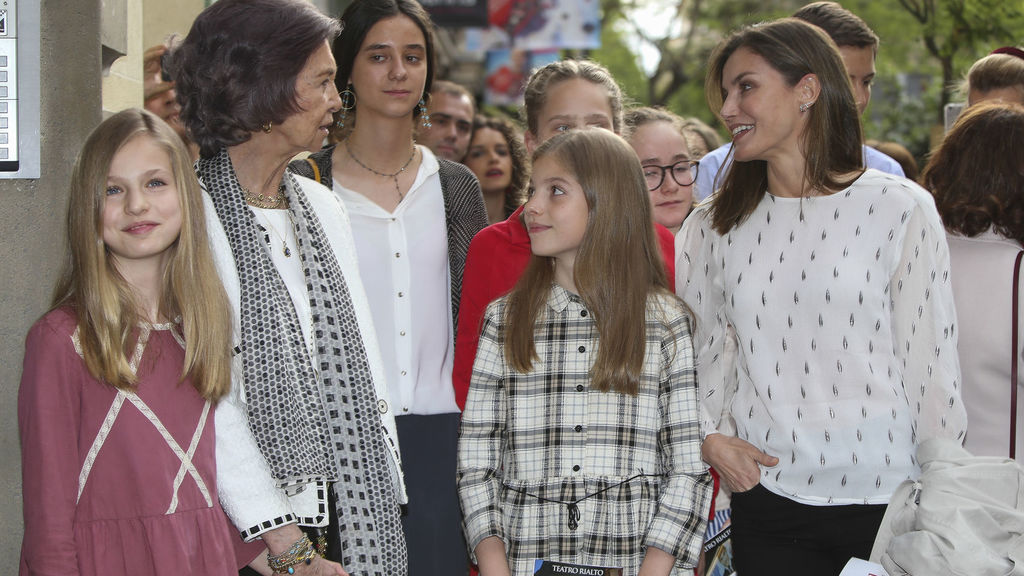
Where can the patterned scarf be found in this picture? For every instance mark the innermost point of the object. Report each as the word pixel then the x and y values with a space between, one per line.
pixel 311 424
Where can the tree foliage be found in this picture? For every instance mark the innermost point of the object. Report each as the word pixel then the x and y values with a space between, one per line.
pixel 926 46
pixel 951 28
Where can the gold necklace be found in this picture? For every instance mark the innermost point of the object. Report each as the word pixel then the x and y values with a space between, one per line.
pixel 284 239
pixel 265 201
pixel 393 175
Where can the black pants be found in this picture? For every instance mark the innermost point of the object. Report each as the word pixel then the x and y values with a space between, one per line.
pixel 773 535
pixel 432 521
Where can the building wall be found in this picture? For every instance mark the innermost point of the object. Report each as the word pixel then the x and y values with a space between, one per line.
pixel 161 18
pixel 32 220
pixel 122 84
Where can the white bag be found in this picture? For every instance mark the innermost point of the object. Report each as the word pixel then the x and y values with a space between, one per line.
pixel 964 515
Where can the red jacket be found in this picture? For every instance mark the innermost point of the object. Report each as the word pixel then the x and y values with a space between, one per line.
pixel 497 257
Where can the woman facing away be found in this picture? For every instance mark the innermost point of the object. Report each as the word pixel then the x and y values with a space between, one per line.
pixel 998 76
pixel 497 157
pixel 836 280
pixel 120 377
pixel 977 178
pixel 413 216
pixel 580 440
pixel 306 438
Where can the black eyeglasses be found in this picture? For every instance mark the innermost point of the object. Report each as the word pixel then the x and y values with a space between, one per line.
pixel 683 172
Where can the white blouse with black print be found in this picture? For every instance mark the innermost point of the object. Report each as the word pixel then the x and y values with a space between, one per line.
pixel 845 324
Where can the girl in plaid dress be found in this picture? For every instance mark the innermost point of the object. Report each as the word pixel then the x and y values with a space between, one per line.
pixel 580 441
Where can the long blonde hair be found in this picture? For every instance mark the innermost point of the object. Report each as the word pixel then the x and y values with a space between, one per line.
pixel 104 302
pixel 618 264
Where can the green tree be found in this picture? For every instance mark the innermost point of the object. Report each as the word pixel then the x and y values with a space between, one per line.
pixel 957 32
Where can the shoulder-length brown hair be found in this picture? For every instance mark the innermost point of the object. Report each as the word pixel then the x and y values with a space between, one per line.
pixel 104 302
pixel 618 264
pixel 236 70
pixel 515 195
pixel 976 174
pixel 832 139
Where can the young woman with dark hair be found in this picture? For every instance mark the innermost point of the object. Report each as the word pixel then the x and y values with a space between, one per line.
pixel 497 157
pixel 412 216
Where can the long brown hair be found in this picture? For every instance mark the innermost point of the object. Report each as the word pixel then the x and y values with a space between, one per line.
pixel 618 264
pixel 104 302
pixel 832 139
pixel 976 174
pixel 514 195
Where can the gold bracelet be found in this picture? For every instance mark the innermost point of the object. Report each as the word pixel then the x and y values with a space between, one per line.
pixel 300 551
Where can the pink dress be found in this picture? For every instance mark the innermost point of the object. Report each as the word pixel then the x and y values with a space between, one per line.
pixel 115 482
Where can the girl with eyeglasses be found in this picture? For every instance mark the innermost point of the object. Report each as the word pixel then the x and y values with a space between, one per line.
pixel 659 140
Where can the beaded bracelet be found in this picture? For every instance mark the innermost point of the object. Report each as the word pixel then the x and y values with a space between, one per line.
pixel 300 551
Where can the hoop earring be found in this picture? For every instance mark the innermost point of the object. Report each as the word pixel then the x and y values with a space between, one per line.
pixel 348 102
pixel 424 115
pixel 267 127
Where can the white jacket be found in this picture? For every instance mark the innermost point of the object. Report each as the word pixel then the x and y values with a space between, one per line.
pixel 248 491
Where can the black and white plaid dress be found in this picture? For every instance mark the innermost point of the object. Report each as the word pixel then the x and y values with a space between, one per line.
pixel 531 444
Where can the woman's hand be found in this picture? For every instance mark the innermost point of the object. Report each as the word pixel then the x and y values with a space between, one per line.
pixel 737 461
pixel 319 567
pixel 281 539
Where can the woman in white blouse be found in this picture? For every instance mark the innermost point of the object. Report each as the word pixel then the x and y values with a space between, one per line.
pixel 836 280
pixel 413 216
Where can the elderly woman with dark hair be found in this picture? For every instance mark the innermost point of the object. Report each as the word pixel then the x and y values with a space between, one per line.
pixel 307 437
pixel 977 178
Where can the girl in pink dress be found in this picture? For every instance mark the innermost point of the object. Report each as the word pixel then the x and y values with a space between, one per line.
pixel 120 377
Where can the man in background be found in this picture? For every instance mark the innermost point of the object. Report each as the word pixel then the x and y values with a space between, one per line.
pixel 451 110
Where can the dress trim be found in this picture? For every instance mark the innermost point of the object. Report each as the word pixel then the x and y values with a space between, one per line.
pixel 133 398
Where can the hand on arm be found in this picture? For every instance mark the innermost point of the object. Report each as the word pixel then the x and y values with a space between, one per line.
pixel 737 461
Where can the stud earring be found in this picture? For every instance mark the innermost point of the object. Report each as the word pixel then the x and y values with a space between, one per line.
pixel 805 106
pixel 424 115
pixel 348 102
pixel 267 127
